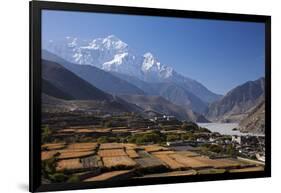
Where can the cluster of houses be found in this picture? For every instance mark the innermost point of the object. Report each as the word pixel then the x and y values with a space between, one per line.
pixel 163 118
pixel 248 146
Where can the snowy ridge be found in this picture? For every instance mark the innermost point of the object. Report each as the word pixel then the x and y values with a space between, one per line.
pixel 113 55
pixel 110 54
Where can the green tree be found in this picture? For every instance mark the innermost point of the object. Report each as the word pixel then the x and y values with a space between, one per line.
pixel 58 177
pixel 49 172
pixel 73 179
pixel 172 137
pixel 103 139
pixel 108 124
pixel 153 137
pixel 230 150
pixel 189 126
pixel 216 148
pixel 106 139
pixel 46 134
pixel 204 130
pixel 48 167
pixel 188 136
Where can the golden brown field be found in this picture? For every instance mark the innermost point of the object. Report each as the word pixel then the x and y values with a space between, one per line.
pixel 112 161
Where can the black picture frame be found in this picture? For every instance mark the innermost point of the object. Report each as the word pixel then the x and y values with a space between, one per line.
pixel 35 91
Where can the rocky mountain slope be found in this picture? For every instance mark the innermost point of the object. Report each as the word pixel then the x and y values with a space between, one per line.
pixel 71 84
pixel 255 120
pixel 162 106
pixel 53 104
pixel 237 103
pixel 170 91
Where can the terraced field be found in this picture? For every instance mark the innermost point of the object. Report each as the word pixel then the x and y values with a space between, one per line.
pixel 112 161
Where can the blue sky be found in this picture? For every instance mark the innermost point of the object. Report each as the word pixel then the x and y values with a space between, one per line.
pixel 219 54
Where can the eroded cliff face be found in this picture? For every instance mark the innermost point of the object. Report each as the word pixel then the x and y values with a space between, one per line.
pixel 237 103
pixel 255 121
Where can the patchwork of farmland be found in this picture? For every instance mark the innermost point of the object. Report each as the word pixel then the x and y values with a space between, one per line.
pixel 117 161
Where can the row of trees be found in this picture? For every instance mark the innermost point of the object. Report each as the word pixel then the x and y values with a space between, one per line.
pixel 158 137
pixel 220 149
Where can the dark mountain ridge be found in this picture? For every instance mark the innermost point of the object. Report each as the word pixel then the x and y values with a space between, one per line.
pixel 68 91
pixel 70 84
pixel 95 76
pixel 49 89
pixel 170 91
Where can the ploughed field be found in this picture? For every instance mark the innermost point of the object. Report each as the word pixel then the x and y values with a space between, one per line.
pixel 93 161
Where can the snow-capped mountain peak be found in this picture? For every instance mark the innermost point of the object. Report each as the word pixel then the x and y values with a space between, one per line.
pixel 108 43
pixel 118 58
pixel 72 42
pixel 113 55
pixel 148 55
pixel 110 54
pixel 150 62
